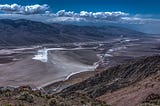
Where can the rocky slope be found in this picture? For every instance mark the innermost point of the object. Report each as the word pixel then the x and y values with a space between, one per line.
pixel 132 79
pixel 134 94
pixel 25 96
pixel 151 100
pixel 25 32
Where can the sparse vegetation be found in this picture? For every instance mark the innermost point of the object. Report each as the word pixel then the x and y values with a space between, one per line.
pixel 25 96
pixel 53 102
pixel 151 100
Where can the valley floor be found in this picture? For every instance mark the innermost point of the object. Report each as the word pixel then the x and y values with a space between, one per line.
pixel 83 59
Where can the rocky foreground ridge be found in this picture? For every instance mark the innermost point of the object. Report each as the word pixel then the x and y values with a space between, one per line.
pixel 118 77
pixel 136 83
pixel 25 96
pixel 138 78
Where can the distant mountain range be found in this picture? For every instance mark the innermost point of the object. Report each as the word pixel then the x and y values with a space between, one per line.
pixel 26 32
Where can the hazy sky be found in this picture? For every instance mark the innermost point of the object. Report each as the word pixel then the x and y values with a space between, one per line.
pixel 142 15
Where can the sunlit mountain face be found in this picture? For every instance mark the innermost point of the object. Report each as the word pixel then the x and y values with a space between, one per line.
pixel 138 15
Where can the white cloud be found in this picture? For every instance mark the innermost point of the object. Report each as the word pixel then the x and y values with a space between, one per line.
pixel 92 15
pixel 16 11
pixel 19 9
pixel 43 9
pixel 41 13
pixel 66 14
pixel 104 15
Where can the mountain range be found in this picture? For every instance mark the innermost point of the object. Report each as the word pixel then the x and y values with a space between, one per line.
pixel 26 32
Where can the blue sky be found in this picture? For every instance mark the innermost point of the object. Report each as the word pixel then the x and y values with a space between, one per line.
pixel 130 6
pixel 141 15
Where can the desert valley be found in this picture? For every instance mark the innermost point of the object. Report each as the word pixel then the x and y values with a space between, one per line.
pixel 78 66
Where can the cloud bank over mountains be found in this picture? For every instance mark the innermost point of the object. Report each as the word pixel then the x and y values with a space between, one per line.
pixel 44 9
pixel 29 9
pixel 42 13
pixel 93 15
